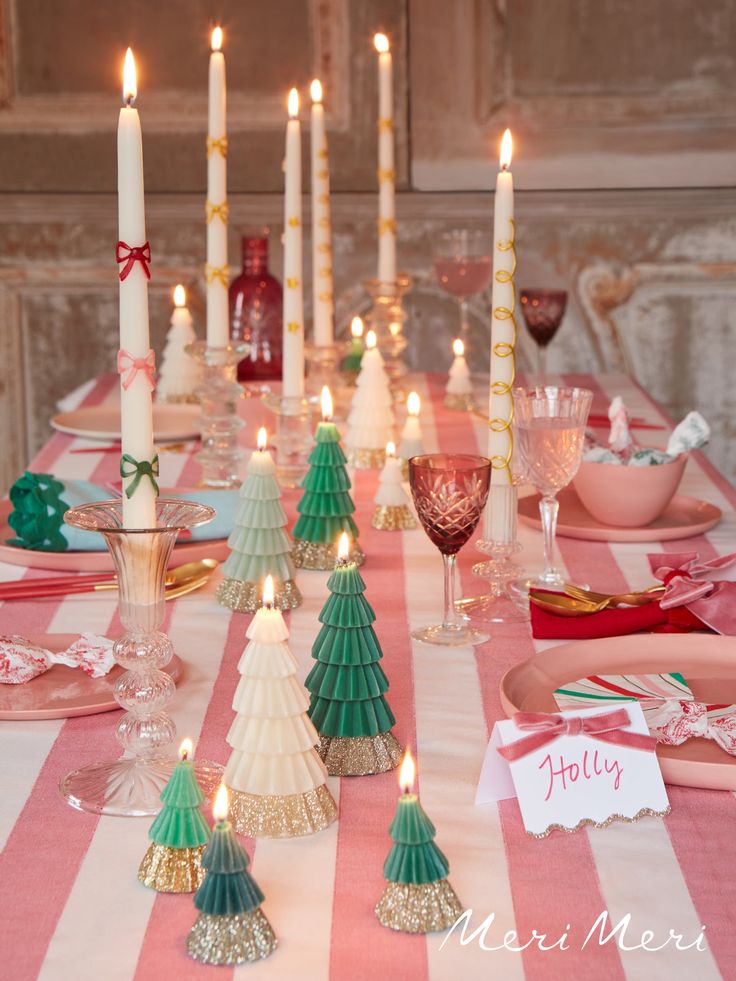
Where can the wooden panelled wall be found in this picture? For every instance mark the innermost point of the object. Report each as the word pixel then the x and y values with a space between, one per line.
pixel 608 99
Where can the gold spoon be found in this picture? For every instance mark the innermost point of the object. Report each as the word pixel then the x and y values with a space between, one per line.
pixel 639 598
pixel 176 579
pixel 565 606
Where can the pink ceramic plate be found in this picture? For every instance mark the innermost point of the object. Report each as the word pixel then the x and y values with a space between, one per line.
pixel 177 421
pixel 682 518
pixel 708 664
pixel 63 693
pixel 95 561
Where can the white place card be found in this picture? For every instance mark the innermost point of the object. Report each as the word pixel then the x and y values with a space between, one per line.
pixel 574 780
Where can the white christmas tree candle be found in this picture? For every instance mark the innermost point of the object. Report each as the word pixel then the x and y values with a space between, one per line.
pixel 135 356
pixel 390 491
pixel 322 286
pixel 179 374
pixel 386 167
pixel 371 418
pixel 293 354
pixel 217 269
pixel 459 382
pixel 411 435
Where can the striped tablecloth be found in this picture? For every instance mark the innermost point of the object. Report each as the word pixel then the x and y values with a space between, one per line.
pixel 70 904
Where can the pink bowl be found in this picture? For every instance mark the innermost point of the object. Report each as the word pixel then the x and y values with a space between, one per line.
pixel 628 497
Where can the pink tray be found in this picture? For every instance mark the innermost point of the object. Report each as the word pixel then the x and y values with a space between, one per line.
pixel 94 561
pixel 707 663
pixel 682 518
pixel 63 693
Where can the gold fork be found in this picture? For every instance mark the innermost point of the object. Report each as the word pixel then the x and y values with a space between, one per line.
pixel 603 600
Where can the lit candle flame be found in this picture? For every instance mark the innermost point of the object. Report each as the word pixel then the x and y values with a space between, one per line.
pixel 222 804
pixel 185 750
pixel 458 348
pixel 370 340
pixel 180 296
pixel 381 44
pixel 407 773
pixel 356 327
pixel 268 592
pixel 315 90
pixel 506 149
pixel 262 439
pixel 390 448
pixel 413 404
pixel 130 82
pixel 293 103
pixel 216 42
pixel 343 548
pixel 327 407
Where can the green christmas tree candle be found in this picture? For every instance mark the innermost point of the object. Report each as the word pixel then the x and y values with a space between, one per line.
pixel 351 362
pixel 231 927
pixel 179 833
pixel 326 507
pixel 418 897
pixel 347 684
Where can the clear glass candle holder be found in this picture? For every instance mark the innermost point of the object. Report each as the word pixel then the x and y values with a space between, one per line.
pixel 294 439
pixel 387 317
pixel 131 785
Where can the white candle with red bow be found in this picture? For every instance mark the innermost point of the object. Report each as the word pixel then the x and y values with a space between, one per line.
pixel 217 269
pixel 135 358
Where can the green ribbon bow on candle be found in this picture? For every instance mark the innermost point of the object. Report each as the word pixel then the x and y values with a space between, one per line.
pixel 142 468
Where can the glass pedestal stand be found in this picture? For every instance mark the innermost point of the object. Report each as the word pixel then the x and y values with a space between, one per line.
pixel 131 785
pixel 387 318
pixel 501 604
pixel 294 439
pixel 219 395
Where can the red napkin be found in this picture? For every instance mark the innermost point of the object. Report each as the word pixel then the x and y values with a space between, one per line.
pixel 613 623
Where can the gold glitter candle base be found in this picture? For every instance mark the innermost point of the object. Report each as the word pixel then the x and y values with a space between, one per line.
pixel 359 756
pixel 245 597
pixel 459 403
pixel 321 555
pixel 393 517
pixel 231 939
pixel 172 869
pixel 366 459
pixel 418 909
pixel 277 816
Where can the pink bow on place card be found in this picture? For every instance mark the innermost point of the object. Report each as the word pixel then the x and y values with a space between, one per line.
pixel 128 367
pixel 674 721
pixel 694 585
pixel 546 727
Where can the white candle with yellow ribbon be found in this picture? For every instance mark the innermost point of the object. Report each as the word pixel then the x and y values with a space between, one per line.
pixel 216 207
pixel 386 167
pixel 293 336
pixel 138 465
pixel 322 285
pixel 503 340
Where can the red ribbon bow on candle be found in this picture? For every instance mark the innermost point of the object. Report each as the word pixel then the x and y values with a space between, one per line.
pixel 546 727
pixel 128 367
pixel 130 254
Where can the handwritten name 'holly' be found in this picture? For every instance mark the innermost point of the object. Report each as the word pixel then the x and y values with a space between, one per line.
pixel 592 767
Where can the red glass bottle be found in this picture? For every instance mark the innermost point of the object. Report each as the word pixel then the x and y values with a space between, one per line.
pixel 256 302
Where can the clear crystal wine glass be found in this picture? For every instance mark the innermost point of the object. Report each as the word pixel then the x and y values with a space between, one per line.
pixel 463 262
pixel 450 491
pixel 549 430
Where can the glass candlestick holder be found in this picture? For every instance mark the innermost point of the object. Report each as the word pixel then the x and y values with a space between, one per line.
pixel 500 604
pixel 294 439
pixel 387 317
pixel 220 424
pixel 322 367
pixel 131 785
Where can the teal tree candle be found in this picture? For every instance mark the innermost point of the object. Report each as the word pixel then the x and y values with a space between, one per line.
pixel 231 927
pixel 352 360
pixel 347 684
pixel 179 833
pixel 418 897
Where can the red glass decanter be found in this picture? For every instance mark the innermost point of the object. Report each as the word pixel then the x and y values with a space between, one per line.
pixel 256 302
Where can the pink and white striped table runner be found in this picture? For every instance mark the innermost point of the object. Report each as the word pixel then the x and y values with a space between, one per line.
pixel 71 906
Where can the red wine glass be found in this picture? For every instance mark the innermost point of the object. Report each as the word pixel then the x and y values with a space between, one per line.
pixel 450 491
pixel 543 311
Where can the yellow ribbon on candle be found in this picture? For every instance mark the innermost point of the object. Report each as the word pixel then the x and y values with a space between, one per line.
pixel 220 211
pixel 291 282
pixel 293 327
pixel 294 222
pixel 323 174
pixel 505 349
pixel 219 145
pixel 385 125
pixel 325 271
pixel 324 199
pixel 386 175
pixel 324 223
pixel 322 154
pixel 386 225
pixel 211 273
pixel 325 297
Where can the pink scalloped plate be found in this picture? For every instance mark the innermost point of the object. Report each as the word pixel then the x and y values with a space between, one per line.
pixel 176 421
pixel 682 518
pixel 707 662
pixel 95 561
pixel 62 692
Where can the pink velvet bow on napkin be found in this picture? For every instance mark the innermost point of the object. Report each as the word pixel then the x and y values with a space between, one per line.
pixel 676 720
pixel 693 584
pixel 546 727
